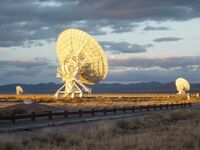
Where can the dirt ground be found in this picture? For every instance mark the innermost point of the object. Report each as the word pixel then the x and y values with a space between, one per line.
pixel 95 100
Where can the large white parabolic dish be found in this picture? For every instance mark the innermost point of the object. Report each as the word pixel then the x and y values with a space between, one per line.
pixel 182 85
pixel 19 90
pixel 81 59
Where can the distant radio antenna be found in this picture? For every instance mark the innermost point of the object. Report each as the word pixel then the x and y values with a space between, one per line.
pixel 82 61
pixel 19 90
pixel 182 86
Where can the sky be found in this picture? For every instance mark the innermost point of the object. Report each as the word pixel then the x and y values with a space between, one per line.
pixel 144 40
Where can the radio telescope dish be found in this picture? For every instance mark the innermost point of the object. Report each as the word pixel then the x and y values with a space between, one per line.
pixel 28 102
pixel 19 90
pixel 82 61
pixel 182 86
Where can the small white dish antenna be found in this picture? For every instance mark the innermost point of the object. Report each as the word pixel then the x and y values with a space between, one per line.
pixel 188 96
pixel 28 102
pixel 19 90
pixel 82 61
pixel 197 94
pixel 182 86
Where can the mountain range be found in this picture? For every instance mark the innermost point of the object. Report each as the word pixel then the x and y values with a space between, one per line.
pixel 143 87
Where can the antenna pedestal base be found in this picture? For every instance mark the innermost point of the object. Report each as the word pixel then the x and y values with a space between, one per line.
pixel 72 88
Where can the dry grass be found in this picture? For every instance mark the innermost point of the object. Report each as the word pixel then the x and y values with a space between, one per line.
pixel 176 130
pixel 98 100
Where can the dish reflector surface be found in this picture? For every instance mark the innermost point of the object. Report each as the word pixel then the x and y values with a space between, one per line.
pixel 75 45
pixel 182 85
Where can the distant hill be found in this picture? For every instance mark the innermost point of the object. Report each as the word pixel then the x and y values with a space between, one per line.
pixel 144 87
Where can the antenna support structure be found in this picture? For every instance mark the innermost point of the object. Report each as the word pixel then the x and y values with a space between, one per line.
pixel 72 85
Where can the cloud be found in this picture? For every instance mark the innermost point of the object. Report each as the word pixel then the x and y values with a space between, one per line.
pixel 152 28
pixel 139 69
pixel 27 64
pixel 143 10
pixel 22 73
pixel 131 76
pixel 167 39
pixel 122 26
pixel 124 47
pixel 27 22
pixel 132 69
pixel 146 62
pixel 27 71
